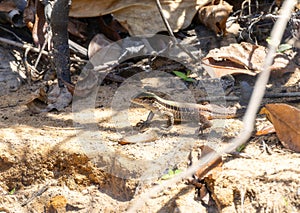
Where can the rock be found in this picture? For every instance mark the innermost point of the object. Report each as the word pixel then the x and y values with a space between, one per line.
pixel 57 204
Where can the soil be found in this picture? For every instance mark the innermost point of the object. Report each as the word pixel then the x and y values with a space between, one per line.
pixel 42 159
pixel 65 161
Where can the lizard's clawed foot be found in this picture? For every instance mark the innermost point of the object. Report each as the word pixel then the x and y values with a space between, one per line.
pixel 166 127
pixel 203 126
pixel 143 125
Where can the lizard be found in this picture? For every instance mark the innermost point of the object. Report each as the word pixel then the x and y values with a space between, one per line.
pixel 178 111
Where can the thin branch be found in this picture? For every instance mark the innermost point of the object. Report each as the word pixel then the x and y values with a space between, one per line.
pixel 248 120
pixel 21 45
pixel 267 95
pixel 11 32
pixel 26 65
pixel 169 29
pixel 36 194
pixel 47 39
pixel 8 106
pixel 32 48
pixel 282 95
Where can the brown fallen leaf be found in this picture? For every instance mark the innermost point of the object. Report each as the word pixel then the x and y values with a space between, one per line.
pixel 45 100
pixel 286 120
pixel 211 169
pixel 111 29
pixel 77 28
pixel 140 17
pixel 28 15
pixel 243 58
pixel 265 130
pixel 215 16
pixel 40 25
pixel 209 172
pixel 98 42
pixel 7 6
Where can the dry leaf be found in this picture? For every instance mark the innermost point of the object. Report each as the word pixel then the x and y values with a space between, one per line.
pixel 97 43
pixel 111 28
pixel 7 6
pixel 148 136
pixel 209 172
pixel 265 130
pixel 45 100
pixel 87 83
pixel 40 25
pixel 215 16
pixel 77 28
pixel 28 15
pixel 211 169
pixel 286 120
pixel 242 58
pixel 140 17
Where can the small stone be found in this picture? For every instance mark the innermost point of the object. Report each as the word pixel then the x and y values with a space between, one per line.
pixel 57 204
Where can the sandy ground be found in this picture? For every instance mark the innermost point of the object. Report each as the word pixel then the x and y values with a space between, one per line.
pixel 56 162
pixel 41 157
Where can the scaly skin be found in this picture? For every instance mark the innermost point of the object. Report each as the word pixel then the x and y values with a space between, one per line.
pixel 177 111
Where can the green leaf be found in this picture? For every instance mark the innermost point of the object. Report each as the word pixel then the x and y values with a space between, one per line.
pixel 184 76
pixel 284 47
pixel 189 79
pixel 180 74
pixel 12 191
pixel 241 147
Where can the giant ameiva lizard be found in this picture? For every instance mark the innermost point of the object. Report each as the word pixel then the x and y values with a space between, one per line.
pixel 178 111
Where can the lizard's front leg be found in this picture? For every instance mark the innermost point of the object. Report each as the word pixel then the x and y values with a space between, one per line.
pixel 170 123
pixel 145 124
pixel 204 123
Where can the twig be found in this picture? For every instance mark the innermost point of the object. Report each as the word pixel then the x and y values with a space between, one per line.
pixel 30 47
pixel 282 95
pixel 11 32
pixel 166 21
pixel 171 32
pixel 250 27
pixel 24 46
pixel 240 155
pixel 35 194
pixel 266 148
pixel 248 120
pixel 9 106
pixel 243 7
pixel 47 40
pixel 26 65
pixel 242 191
pixel 267 95
pixel 78 48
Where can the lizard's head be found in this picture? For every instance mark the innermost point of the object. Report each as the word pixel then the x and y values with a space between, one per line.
pixel 144 98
